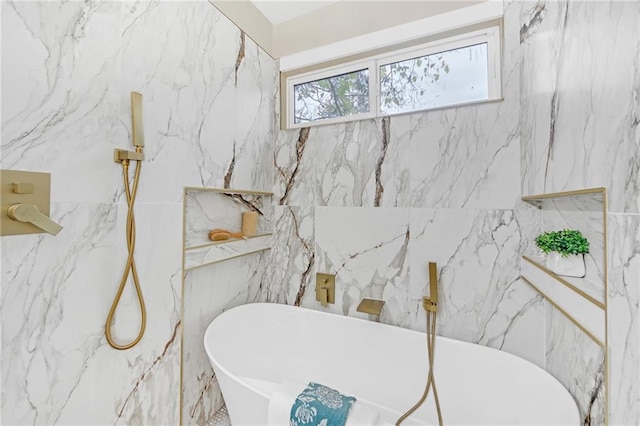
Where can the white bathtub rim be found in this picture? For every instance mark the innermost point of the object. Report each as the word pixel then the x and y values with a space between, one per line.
pixel 248 383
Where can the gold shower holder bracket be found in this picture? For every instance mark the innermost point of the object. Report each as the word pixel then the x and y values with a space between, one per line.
pixel 120 155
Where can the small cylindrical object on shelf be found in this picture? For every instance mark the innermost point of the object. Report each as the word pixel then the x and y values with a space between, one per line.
pixel 249 223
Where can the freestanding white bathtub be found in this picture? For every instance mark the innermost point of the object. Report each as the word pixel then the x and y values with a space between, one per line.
pixel 254 348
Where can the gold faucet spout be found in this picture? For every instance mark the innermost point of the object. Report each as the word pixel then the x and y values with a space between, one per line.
pixel 371 306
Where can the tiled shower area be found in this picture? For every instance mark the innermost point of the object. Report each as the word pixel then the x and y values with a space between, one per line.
pixel 371 201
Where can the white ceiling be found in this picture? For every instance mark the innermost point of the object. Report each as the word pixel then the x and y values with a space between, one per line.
pixel 277 11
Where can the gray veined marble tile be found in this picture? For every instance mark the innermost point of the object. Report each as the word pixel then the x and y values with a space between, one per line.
pixel 367 249
pixel 209 291
pixel 579 98
pixel 461 156
pixel 351 164
pixel 208 99
pixel 624 318
pixel 67 74
pixel 60 104
pixel 53 307
pixel 482 299
pixel 578 363
pixel 290 275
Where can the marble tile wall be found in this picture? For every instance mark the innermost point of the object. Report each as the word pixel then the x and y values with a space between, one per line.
pixel 374 201
pixel 209 291
pixel 67 70
pixel 580 81
pixel 578 363
pixel 624 318
pixel 579 128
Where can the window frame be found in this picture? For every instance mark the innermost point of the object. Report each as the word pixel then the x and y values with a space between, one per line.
pixel 490 35
pixel 327 73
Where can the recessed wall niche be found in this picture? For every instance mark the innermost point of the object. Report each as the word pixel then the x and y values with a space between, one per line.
pixel 576 314
pixel 216 275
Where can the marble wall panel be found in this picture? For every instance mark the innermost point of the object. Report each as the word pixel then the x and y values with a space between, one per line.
pixel 460 156
pixel 54 304
pixel 184 68
pixel 368 251
pixel 257 83
pixel 351 164
pixel 580 77
pixel 578 363
pixel 624 319
pixel 209 291
pixel 60 105
pixel 291 271
pixel 67 71
pixel 482 299
pixel 146 377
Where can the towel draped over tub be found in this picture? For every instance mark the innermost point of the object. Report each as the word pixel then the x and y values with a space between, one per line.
pixel 297 404
pixel 320 405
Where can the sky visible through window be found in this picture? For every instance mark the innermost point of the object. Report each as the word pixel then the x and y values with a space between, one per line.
pixel 447 78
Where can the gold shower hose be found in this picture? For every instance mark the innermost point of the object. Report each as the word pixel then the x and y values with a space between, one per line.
pixel 431 381
pixel 131 263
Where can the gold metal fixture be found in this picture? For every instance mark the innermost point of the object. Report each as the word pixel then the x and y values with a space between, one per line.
pixel 22 188
pixel 29 213
pixel 325 288
pixel 125 157
pixel 430 305
pixel 370 306
pixel 137 129
pixel 26 203
pixel 120 155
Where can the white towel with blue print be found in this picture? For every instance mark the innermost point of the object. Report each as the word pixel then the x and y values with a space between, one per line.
pixel 284 400
pixel 319 405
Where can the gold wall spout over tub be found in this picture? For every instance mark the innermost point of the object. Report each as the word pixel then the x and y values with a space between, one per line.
pixel 125 157
pixel 370 306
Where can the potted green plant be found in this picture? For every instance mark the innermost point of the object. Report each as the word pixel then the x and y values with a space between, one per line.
pixel 564 251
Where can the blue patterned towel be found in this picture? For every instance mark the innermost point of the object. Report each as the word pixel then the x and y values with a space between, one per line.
pixel 320 405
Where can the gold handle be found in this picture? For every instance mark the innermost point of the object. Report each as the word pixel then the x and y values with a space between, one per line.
pixel 324 296
pixel 29 213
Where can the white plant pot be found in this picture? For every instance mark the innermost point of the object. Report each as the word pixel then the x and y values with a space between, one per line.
pixel 570 266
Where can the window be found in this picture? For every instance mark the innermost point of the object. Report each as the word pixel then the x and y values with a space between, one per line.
pixel 455 71
pixel 331 97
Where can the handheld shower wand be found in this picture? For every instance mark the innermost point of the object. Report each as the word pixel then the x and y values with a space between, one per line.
pixel 125 157
pixel 430 305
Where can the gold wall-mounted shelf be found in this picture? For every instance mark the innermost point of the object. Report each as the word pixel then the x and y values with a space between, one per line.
pixel 230 240
pixel 565 281
pixel 538 200
pixel 206 208
pixel 227 190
